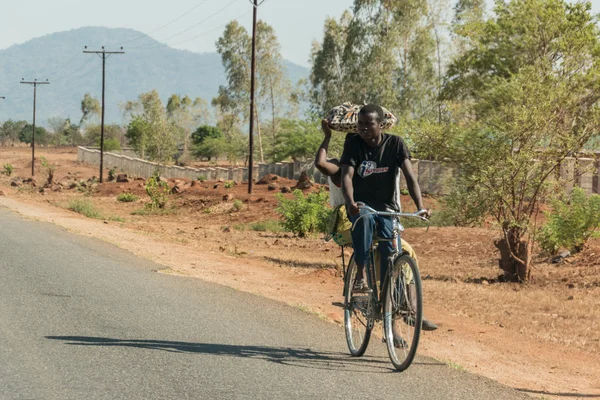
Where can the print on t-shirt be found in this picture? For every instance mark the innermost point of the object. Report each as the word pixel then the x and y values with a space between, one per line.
pixel 370 167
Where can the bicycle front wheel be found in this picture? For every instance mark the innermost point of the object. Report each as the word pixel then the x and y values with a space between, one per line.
pixel 403 311
pixel 356 314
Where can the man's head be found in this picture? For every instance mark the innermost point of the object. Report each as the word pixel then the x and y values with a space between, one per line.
pixel 370 118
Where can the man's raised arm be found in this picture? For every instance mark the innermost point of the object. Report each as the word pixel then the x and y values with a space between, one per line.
pixel 348 189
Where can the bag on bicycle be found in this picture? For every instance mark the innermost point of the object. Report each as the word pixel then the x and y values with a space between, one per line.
pixel 339 227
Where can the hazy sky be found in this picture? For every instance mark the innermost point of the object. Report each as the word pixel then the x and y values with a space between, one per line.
pixel 296 22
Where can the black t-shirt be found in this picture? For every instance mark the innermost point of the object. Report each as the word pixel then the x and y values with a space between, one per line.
pixel 376 170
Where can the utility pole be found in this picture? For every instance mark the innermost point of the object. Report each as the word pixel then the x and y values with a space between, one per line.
pixel 255 4
pixel 34 83
pixel 102 53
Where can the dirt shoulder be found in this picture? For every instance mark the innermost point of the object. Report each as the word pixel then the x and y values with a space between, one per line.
pixel 542 338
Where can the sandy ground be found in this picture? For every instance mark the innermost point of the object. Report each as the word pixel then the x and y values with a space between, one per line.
pixel 542 337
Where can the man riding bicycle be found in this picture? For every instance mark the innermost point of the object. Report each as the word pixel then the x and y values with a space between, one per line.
pixel 377 157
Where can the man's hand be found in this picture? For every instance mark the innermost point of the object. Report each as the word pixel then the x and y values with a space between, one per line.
pixel 425 212
pixel 353 209
pixel 325 127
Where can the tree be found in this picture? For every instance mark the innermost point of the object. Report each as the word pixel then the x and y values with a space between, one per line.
pixel 90 107
pixel 112 132
pixel 10 131
pixel 298 140
pixel 150 133
pixel 186 115
pixel 532 88
pixel 381 53
pixel 58 126
pixel 42 137
pixel 235 49
pixel 273 85
pixel 329 76
pixel 205 132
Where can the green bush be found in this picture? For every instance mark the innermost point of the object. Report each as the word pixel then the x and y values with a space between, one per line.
pixel 304 215
pixel 229 184
pixel 111 144
pixel 127 197
pixel 158 192
pixel 8 169
pixel 111 174
pixel 571 223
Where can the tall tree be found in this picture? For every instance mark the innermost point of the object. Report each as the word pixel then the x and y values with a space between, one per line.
pixel 381 53
pixel 150 132
pixel 329 78
pixel 235 49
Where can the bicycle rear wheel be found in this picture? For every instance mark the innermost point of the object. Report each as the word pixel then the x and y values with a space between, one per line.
pixel 403 311
pixel 356 311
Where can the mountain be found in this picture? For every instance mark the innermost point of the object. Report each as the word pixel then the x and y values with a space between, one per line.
pixel 146 66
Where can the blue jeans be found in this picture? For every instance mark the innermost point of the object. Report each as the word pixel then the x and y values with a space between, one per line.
pixel 362 236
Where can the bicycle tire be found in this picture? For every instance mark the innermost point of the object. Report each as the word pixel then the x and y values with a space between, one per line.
pixel 356 320
pixel 403 312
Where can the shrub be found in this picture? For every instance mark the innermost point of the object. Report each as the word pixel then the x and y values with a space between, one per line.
pixel 304 215
pixel 111 144
pixel 571 223
pixel 158 192
pixel 49 169
pixel 8 169
pixel 111 174
pixel 127 197
pixel 229 184
pixel 201 177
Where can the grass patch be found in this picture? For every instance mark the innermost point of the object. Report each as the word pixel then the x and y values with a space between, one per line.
pixel 154 211
pixel 237 206
pixel 127 197
pixel 456 366
pixel 270 225
pixel 438 218
pixel 84 207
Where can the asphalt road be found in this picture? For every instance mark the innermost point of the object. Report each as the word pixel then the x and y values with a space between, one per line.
pixel 83 319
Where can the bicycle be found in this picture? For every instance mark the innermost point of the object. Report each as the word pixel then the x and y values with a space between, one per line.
pixel 401 299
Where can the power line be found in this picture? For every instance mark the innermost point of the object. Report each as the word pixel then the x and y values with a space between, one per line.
pixel 167 24
pixel 75 70
pixel 161 45
pixel 201 22
pixel 59 69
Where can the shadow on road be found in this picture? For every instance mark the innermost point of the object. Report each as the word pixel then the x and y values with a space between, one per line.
pixel 299 357
pixel 573 394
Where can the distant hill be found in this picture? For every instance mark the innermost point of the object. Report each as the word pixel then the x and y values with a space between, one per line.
pixel 59 58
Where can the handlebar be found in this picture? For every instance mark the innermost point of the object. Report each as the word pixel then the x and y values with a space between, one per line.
pixel 370 211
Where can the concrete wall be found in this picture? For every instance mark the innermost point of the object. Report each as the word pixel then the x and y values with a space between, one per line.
pixel 434 177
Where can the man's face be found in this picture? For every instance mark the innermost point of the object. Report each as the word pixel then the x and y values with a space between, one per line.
pixel 369 128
